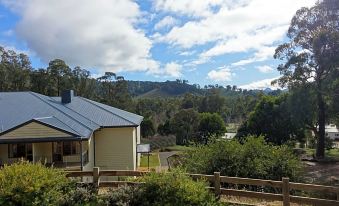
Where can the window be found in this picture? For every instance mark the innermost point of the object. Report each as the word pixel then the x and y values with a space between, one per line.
pixel 19 150
pixel 71 148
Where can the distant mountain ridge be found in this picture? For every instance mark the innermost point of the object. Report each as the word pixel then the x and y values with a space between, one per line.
pixel 149 89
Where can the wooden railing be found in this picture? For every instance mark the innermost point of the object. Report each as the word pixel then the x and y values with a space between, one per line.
pixel 284 186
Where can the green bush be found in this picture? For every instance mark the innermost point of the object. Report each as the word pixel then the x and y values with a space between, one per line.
pixel 175 188
pixel 24 183
pixel 84 194
pixel 253 159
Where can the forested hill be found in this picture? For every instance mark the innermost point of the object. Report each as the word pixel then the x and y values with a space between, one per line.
pixel 162 89
pixel 149 89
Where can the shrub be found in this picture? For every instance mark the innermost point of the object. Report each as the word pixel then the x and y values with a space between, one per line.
pixel 84 194
pixel 24 183
pixel 253 159
pixel 175 188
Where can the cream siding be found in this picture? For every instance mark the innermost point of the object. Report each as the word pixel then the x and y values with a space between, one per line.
pixel 114 148
pixel 89 166
pixel 3 153
pixel 42 152
pixel 34 130
pixel 138 142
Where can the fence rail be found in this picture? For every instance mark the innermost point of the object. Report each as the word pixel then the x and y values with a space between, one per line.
pixel 285 186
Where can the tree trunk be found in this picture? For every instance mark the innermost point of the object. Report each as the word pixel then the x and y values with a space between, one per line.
pixel 320 153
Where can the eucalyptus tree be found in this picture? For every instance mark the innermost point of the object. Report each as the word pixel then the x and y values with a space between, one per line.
pixel 311 57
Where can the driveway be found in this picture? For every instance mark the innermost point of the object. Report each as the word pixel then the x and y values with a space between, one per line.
pixel 163 157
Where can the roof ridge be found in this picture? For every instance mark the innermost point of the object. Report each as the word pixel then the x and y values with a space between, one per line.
pixel 41 99
pixel 107 110
pixel 80 114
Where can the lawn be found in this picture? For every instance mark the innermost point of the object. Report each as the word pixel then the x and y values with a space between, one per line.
pixel 153 160
pixel 332 153
pixel 180 148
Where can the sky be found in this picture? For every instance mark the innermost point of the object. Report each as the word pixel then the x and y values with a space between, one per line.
pixel 225 42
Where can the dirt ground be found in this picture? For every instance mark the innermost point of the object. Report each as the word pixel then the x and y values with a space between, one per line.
pixel 322 173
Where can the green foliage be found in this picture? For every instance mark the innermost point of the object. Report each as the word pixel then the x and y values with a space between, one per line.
pixel 253 159
pixel 83 195
pixel 184 125
pixel 32 184
pixel 213 102
pixel 272 118
pixel 311 58
pixel 211 125
pixel 164 129
pixel 147 128
pixel 175 188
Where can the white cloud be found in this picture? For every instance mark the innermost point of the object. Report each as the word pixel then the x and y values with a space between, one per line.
pixel 95 34
pixel 7 32
pixel 166 23
pixel 245 42
pixel 187 53
pixel 262 84
pixel 250 25
pixel 171 69
pixel 223 74
pixel 262 54
pixel 265 69
pixel 197 8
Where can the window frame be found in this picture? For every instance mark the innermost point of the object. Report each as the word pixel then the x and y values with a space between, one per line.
pixel 10 150
pixel 73 148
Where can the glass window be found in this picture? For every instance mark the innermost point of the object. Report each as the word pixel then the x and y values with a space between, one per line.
pixel 17 150
pixel 71 148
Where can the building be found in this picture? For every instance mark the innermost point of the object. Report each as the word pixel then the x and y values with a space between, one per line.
pixel 332 132
pixel 70 132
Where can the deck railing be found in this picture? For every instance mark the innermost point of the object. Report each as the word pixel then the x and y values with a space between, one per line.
pixel 285 186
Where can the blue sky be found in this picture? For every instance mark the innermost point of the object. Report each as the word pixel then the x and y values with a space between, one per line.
pixel 203 41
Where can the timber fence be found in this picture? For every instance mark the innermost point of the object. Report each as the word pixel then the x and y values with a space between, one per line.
pixel 285 186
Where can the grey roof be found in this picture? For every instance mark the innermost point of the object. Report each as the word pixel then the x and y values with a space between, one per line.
pixel 81 117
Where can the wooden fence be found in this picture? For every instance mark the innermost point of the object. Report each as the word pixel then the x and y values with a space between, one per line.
pixel 284 186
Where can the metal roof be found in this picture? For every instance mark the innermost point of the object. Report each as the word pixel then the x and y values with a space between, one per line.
pixel 80 117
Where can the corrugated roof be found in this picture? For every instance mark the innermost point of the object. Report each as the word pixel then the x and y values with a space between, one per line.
pixel 81 117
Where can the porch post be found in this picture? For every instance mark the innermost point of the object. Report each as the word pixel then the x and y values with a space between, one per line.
pixel 81 160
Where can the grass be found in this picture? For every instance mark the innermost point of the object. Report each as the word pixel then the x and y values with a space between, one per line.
pixel 153 160
pixel 179 148
pixel 332 153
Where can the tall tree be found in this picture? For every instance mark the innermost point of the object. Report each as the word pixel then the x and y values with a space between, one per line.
pixel 40 81
pixel 60 76
pixel 210 124
pixel 311 56
pixel 184 125
pixel 14 71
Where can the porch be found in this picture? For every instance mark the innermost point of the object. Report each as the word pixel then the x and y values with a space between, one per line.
pixel 70 155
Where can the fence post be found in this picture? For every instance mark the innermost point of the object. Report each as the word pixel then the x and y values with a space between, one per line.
pixel 96 177
pixel 286 191
pixel 217 190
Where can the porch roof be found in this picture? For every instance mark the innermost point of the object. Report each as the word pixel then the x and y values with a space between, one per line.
pixel 38 140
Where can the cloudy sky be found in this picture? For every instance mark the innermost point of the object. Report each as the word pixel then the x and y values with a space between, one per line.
pixel 204 41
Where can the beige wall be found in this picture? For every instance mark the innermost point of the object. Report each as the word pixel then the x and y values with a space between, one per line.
pixel 3 153
pixel 35 130
pixel 42 152
pixel 89 144
pixel 115 148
